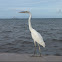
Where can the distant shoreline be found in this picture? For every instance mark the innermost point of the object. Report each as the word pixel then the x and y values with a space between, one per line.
pixel 32 18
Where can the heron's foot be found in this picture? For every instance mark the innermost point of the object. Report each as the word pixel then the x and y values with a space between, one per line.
pixel 33 55
pixel 36 55
pixel 40 55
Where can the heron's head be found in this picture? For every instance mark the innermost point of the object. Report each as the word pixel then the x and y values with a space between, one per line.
pixel 24 12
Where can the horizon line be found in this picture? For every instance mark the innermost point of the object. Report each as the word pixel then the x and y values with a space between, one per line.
pixel 32 18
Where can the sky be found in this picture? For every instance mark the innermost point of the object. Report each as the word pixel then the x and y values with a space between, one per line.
pixel 38 8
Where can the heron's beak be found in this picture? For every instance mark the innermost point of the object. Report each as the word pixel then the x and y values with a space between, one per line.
pixel 22 12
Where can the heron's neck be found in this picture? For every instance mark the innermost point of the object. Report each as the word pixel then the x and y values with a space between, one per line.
pixel 29 22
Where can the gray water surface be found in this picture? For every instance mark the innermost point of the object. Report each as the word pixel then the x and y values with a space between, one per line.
pixel 15 36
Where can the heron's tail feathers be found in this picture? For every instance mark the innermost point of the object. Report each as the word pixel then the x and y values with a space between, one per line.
pixel 42 44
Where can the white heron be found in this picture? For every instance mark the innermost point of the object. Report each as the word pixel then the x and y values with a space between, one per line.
pixel 35 35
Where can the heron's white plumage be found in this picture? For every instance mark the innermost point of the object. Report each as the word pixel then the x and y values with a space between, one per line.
pixel 37 37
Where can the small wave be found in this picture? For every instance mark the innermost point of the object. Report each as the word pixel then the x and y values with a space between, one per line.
pixel 9 44
pixel 60 48
pixel 9 31
pixel 57 40
pixel 27 42
pixel 57 54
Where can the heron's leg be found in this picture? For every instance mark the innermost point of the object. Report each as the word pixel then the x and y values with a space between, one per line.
pixel 35 48
pixel 39 49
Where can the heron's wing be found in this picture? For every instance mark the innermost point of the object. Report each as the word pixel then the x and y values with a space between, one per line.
pixel 37 37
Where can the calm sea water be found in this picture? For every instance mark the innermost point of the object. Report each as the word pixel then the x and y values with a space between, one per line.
pixel 15 36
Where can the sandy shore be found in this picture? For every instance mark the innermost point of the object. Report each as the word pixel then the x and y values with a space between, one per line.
pixel 27 57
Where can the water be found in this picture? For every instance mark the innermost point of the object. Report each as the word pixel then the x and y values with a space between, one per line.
pixel 15 36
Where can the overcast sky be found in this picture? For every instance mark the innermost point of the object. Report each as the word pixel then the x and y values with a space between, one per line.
pixel 38 8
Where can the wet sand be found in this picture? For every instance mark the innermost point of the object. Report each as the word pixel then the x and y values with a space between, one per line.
pixel 27 57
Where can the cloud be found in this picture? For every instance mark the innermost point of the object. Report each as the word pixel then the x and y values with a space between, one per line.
pixel 19 8
pixel 43 1
pixel 59 11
